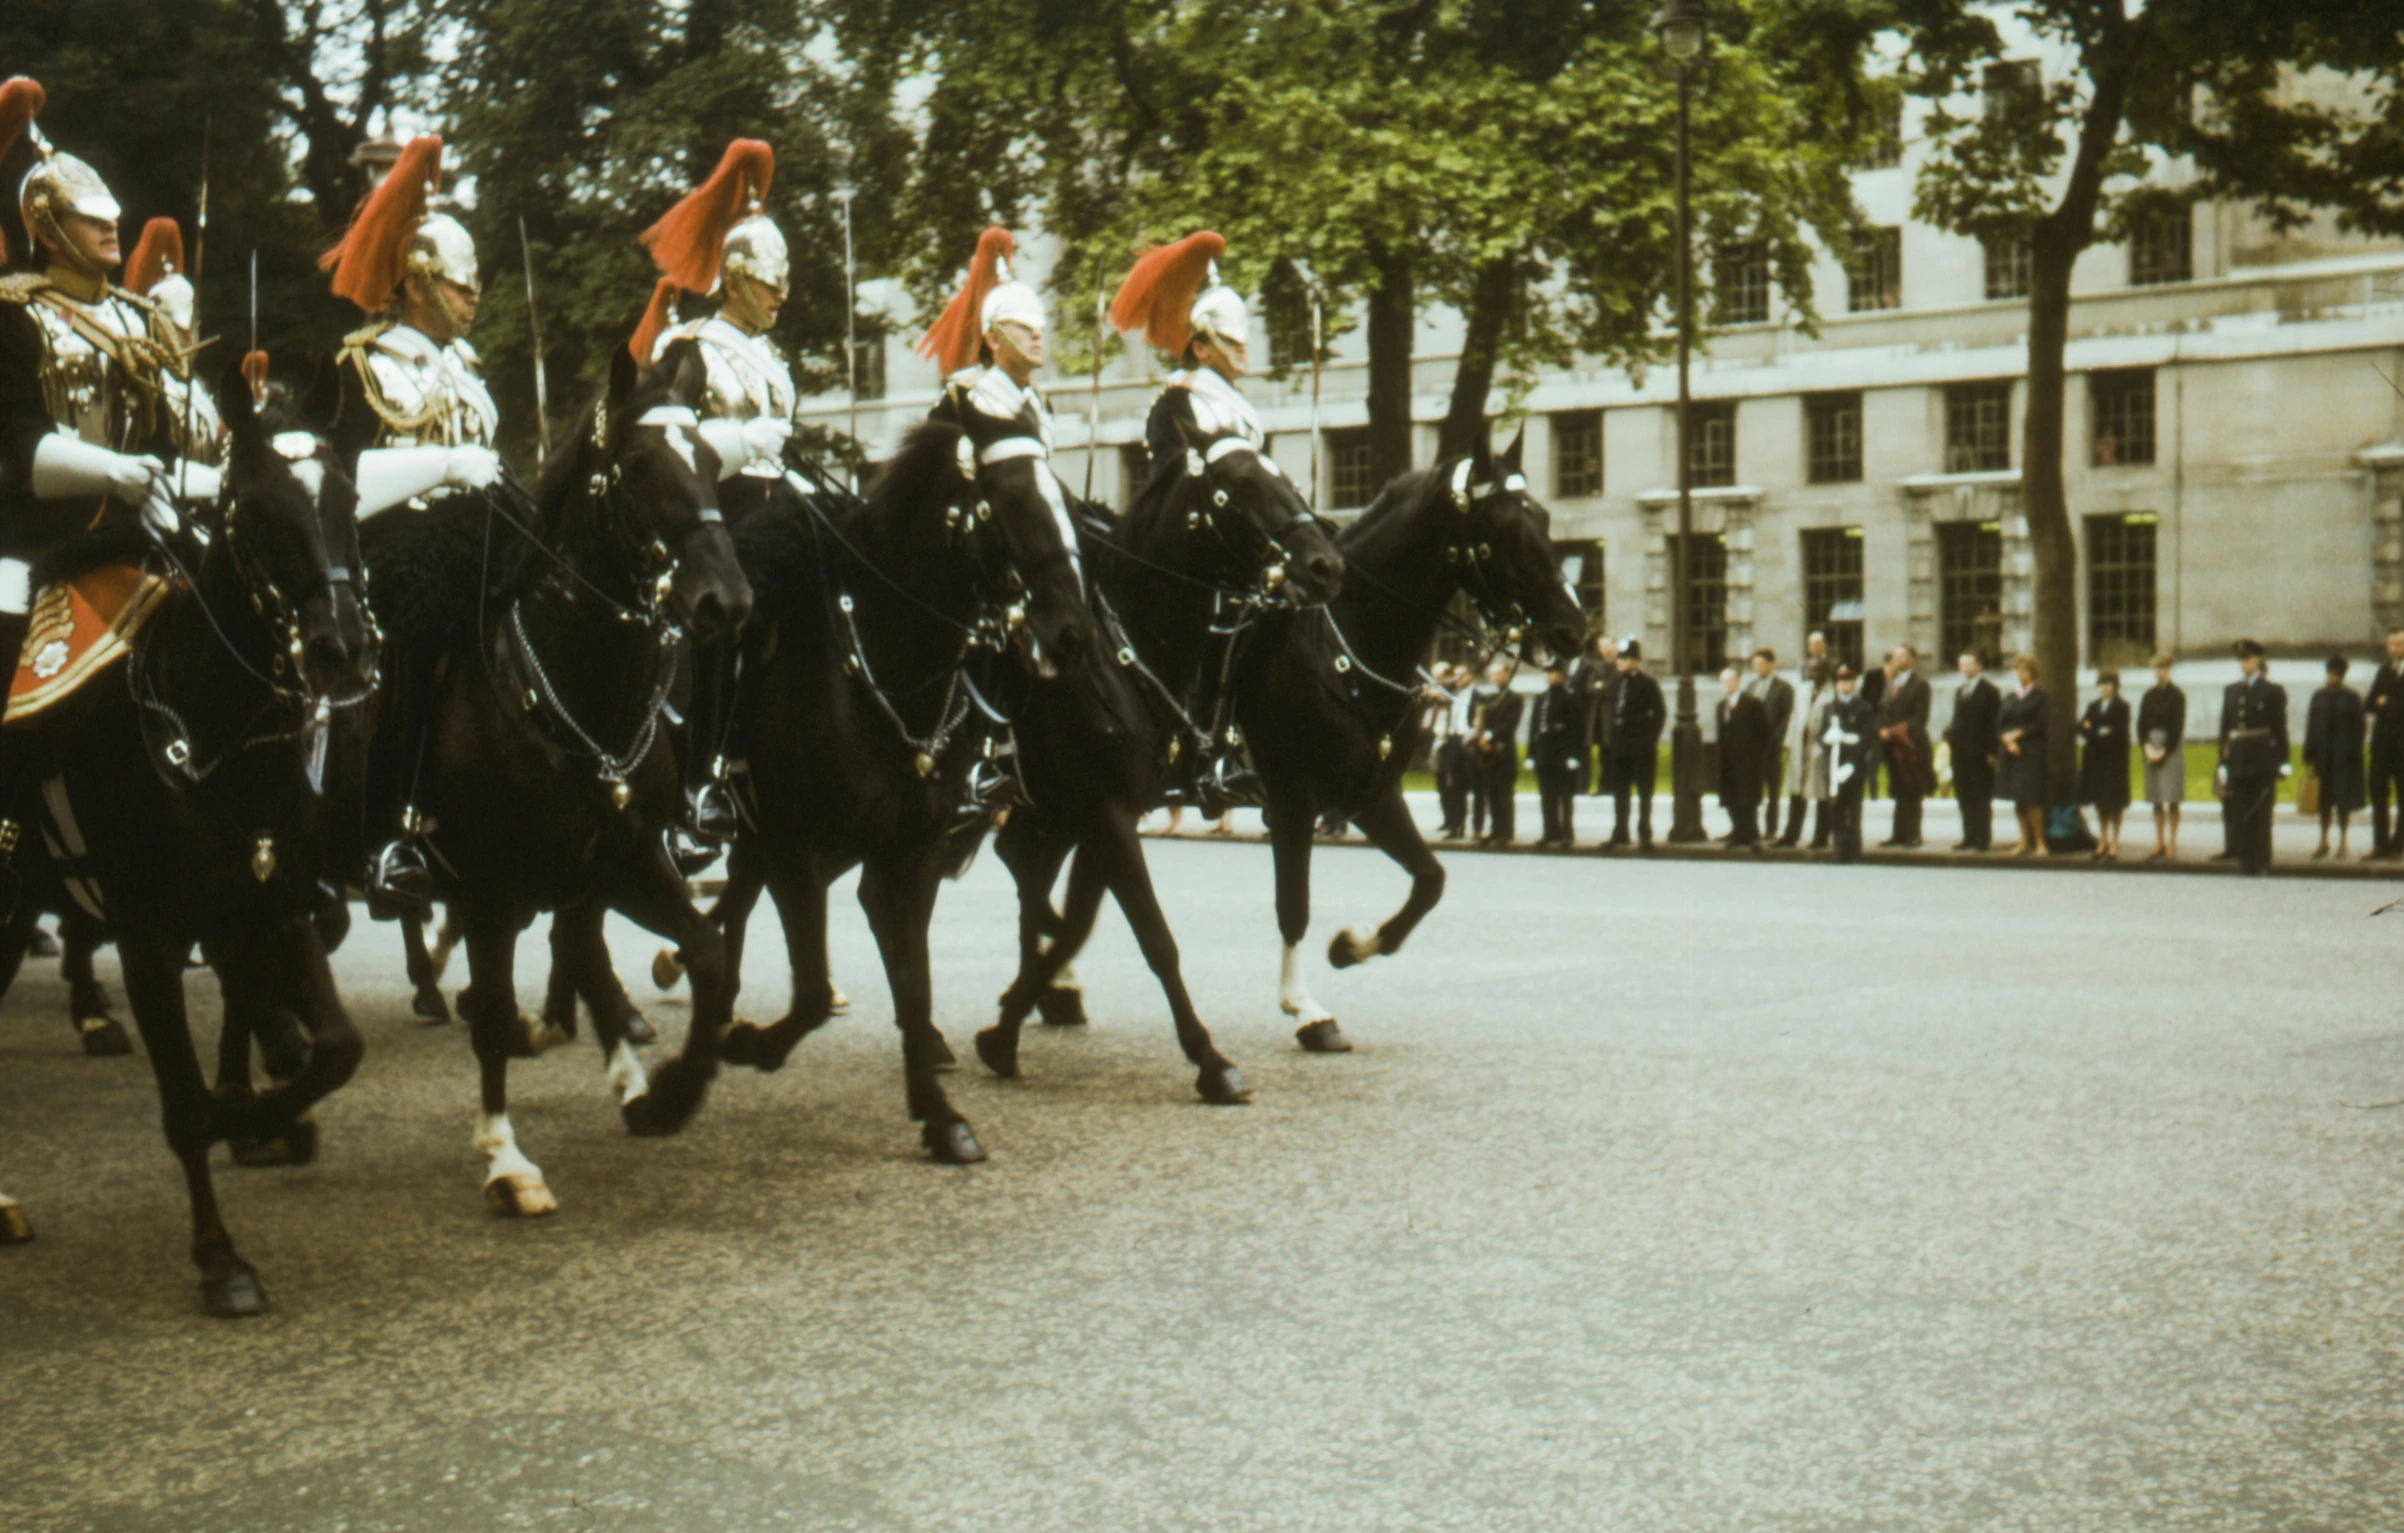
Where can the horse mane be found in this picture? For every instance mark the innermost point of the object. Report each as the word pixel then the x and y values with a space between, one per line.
pixel 1392 502
pixel 124 541
pixel 929 451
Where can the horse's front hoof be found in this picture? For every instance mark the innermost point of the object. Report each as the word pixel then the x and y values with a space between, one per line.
pixel 520 1195
pixel 836 1001
pixel 953 1143
pixel 639 1030
pixel 746 1043
pixel 295 1146
pixel 1323 1037
pixel 15 1228
pixel 232 1291
pixel 945 1059
pixel 104 1037
pixel 429 1007
pixel 1223 1087
pixel 1061 1007
pixel 999 1050
pixel 667 1105
pixel 535 1037
pixel 1346 949
pixel 666 968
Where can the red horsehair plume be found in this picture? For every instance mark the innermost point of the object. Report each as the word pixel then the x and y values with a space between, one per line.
pixel 656 318
pixel 374 255
pixel 254 368
pixel 951 342
pixel 1158 295
pixel 158 253
pixel 690 239
pixel 20 104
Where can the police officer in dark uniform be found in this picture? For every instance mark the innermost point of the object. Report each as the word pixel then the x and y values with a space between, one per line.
pixel 1852 729
pixel 2253 757
pixel 2383 702
pixel 1557 750
pixel 1633 753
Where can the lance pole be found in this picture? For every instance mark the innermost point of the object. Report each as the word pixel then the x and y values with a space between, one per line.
pixel 534 327
pixel 1318 349
pixel 200 249
pixel 851 337
pixel 1093 406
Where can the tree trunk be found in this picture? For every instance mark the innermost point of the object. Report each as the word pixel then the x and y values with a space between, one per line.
pixel 2045 501
pixel 1490 303
pixel 1393 324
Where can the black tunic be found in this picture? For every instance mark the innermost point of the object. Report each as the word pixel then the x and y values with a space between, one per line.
pixel 2103 765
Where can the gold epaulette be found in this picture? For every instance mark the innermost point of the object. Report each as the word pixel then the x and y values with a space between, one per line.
pixel 19 287
pixel 366 335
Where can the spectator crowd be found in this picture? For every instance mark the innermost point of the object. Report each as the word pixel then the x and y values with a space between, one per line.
pixel 1797 754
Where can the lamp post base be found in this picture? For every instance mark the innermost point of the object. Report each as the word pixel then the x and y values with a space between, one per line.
pixel 1686 792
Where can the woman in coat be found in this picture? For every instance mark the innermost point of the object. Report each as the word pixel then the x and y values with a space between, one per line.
pixel 1808 765
pixel 2103 767
pixel 2020 771
pixel 2333 736
pixel 2162 732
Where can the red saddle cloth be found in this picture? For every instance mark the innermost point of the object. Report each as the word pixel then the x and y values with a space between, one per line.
pixel 79 628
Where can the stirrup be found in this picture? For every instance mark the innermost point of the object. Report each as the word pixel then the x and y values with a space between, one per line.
pixel 709 813
pixel 1226 784
pixel 690 853
pixel 399 883
pixel 11 884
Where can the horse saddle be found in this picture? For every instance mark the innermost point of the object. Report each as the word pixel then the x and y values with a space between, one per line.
pixel 78 628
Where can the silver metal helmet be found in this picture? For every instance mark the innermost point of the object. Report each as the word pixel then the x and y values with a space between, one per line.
pixel 1012 300
pixel 1219 311
pixel 756 248
pixel 440 247
pixel 60 184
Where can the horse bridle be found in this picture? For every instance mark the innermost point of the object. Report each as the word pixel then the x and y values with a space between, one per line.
pixel 1475 559
pixel 654 554
pixel 1272 552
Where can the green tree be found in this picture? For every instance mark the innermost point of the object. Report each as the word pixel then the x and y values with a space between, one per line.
pixel 2196 84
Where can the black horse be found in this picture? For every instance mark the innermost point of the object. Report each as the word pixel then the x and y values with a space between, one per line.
pixel 547 780
pixel 195 798
pixel 80 936
pixel 1329 701
pixel 863 717
pixel 1213 543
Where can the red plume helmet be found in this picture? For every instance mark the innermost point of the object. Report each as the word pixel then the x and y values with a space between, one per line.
pixel 374 255
pixel 254 368
pixel 951 342
pixel 656 318
pixel 690 241
pixel 1158 295
pixel 20 103
pixel 159 253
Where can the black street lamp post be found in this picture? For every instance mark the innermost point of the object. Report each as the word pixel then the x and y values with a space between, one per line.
pixel 1680 24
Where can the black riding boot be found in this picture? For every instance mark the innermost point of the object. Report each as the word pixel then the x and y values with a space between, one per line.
pixel 399 881
pixel 709 805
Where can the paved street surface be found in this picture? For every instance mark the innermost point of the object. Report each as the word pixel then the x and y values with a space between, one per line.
pixel 1659 1196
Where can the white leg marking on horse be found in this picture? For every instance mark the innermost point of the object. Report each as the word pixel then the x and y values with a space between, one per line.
pixel 497 1142
pixel 1364 948
pixel 626 1075
pixel 1292 998
pixel 1067 978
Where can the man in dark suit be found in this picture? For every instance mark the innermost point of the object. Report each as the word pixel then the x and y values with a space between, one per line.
pixel 1557 750
pixel 1634 754
pixel 1975 744
pixel 1744 739
pixel 2384 703
pixel 1872 687
pixel 2253 757
pixel 1903 731
pixel 1777 697
pixel 1852 726
pixel 1456 773
pixel 1596 682
pixel 1496 741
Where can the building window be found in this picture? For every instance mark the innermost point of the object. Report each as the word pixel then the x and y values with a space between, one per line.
pixel 1832 605
pixel 1706 601
pixel 1285 313
pixel 2013 90
pixel 1886 143
pixel 1978 428
pixel 1135 471
pixel 1577 454
pixel 2162 249
pixel 1832 430
pixel 1582 572
pixel 2120 589
pixel 868 362
pixel 2124 415
pixel 1741 283
pixel 1348 486
pixel 1711 443
pixel 2008 265
pixel 1970 591
pixel 1875 280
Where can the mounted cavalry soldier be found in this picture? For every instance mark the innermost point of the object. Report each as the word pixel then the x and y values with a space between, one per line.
pixel 157 273
pixel 415 412
pixel 719 240
pixel 99 424
pixel 1173 295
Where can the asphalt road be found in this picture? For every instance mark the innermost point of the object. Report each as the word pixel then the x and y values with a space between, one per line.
pixel 1659 1196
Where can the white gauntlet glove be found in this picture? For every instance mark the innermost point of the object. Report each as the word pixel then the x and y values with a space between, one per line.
pixel 726 439
pixel 766 437
pixel 388 476
pixel 471 468
pixel 196 484
pixel 64 466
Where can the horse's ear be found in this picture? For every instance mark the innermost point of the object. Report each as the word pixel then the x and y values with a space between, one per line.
pixel 688 373
pixel 233 401
pixel 623 374
pixel 1187 432
pixel 1510 458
